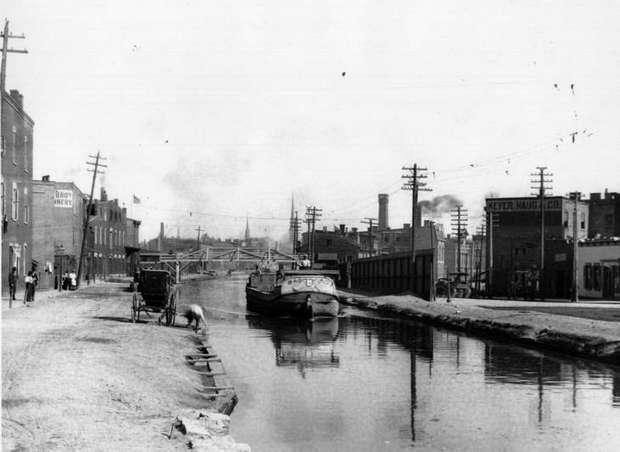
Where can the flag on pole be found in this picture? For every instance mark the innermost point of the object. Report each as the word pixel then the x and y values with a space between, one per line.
pixel 136 200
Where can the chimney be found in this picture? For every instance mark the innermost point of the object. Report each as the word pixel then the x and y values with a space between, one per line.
pixel 18 98
pixel 384 200
pixel 343 228
pixel 607 194
pixel 324 228
pixel 45 178
pixel 104 195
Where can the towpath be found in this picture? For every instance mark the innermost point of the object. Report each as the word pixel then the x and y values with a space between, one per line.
pixel 77 375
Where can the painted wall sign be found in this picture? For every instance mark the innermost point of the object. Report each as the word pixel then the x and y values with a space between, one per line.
pixel 522 204
pixel 63 199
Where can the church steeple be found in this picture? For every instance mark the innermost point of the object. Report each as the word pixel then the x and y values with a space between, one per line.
pixel 247 229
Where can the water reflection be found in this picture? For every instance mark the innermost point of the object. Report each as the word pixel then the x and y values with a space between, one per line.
pixel 372 383
pixel 301 344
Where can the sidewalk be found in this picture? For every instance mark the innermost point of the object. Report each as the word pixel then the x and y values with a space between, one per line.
pixel 588 329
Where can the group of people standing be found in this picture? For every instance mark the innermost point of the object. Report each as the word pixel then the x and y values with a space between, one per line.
pixel 30 281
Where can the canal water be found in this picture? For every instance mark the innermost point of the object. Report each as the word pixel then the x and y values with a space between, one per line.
pixel 366 383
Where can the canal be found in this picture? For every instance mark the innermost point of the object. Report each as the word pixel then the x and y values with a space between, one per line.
pixel 364 383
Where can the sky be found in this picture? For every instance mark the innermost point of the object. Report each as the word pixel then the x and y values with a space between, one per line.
pixel 211 111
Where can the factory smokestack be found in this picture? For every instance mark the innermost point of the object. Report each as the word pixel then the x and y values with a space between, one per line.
pixel 384 200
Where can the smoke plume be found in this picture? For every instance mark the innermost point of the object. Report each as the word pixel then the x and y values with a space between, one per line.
pixel 439 205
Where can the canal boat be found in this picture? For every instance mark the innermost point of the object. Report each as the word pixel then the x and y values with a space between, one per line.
pixel 299 293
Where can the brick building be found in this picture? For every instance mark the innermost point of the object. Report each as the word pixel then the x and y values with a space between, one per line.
pixel 58 210
pixel 16 131
pixel 516 241
pixel 604 215
pixel 107 238
pixel 599 269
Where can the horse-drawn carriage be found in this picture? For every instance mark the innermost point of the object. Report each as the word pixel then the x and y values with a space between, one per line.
pixel 156 293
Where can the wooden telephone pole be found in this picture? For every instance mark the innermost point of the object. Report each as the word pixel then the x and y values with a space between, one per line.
pixel 540 178
pixel 95 170
pixel 370 222
pixel 412 177
pixel 312 214
pixel 576 197
pixel 6 35
pixel 459 225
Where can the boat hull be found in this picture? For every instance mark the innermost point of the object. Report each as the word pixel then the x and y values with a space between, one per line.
pixel 293 304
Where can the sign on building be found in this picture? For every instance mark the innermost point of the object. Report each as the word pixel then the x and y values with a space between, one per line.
pixel 522 204
pixel 63 199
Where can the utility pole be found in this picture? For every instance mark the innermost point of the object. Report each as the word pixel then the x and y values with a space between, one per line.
pixel 295 225
pixel 6 35
pixel 370 222
pixel 459 225
pixel 481 233
pixel 540 178
pixel 576 197
pixel 434 269
pixel 313 214
pixel 412 177
pixel 96 171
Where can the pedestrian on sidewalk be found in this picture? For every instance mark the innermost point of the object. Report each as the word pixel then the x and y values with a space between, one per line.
pixel 28 291
pixel 35 281
pixel 88 279
pixel 12 285
pixel 73 280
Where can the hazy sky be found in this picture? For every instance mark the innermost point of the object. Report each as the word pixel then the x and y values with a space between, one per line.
pixel 224 109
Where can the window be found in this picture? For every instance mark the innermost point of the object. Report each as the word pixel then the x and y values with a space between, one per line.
pixel 587 276
pixel 596 277
pixel 583 220
pixel 14 135
pixel 26 207
pixel 26 153
pixel 15 205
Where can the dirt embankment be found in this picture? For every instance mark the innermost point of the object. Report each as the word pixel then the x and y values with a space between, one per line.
pixel 595 339
pixel 77 375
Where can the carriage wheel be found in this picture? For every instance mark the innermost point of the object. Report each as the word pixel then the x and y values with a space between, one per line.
pixel 134 304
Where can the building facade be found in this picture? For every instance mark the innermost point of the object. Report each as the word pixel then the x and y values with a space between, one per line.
pixel 599 269
pixel 17 152
pixel 604 215
pixel 514 242
pixel 58 210
pixel 108 236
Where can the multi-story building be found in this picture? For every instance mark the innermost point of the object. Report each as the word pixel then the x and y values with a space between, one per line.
pixel 16 146
pixel 106 250
pixel 514 242
pixel 604 215
pixel 58 210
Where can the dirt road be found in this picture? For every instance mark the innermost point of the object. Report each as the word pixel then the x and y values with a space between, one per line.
pixel 77 375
